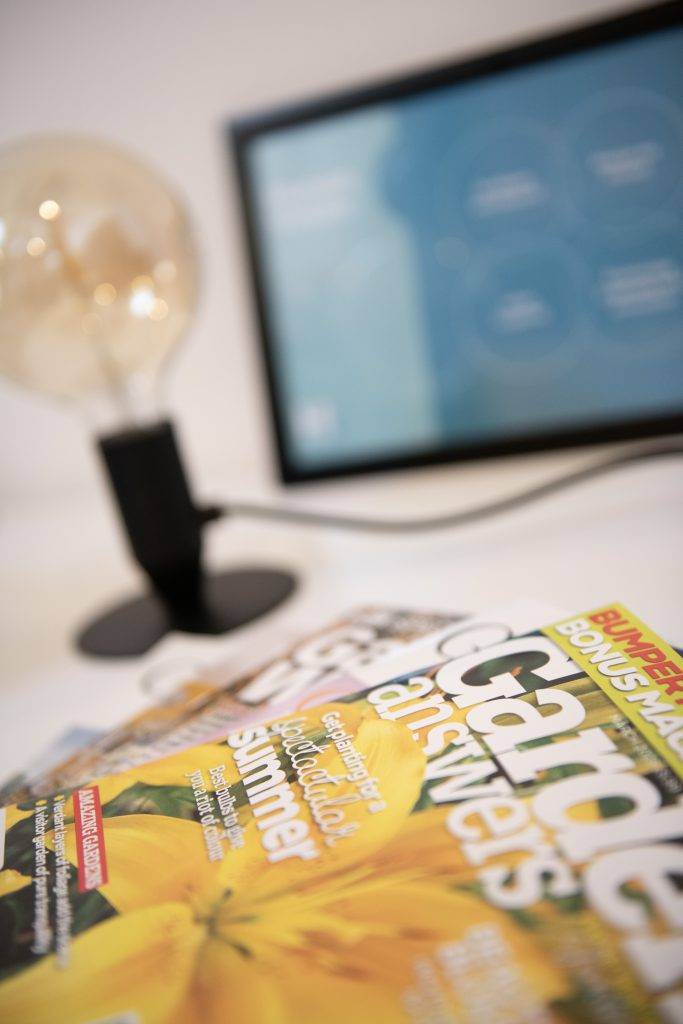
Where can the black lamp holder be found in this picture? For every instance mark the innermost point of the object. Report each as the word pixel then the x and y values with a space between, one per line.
pixel 164 528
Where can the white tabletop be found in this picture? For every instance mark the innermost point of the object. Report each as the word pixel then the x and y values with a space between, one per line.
pixel 618 537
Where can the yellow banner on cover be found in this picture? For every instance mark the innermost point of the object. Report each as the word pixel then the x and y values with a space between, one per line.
pixel 635 668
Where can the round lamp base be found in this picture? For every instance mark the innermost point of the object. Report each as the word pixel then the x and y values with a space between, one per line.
pixel 228 600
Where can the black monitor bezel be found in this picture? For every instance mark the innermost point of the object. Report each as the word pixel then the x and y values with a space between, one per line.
pixel 243 130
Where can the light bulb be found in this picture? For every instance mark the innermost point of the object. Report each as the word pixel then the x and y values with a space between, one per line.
pixel 98 274
pixel 98 282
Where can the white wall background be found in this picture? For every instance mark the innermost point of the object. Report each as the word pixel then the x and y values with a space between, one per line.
pixel 161 77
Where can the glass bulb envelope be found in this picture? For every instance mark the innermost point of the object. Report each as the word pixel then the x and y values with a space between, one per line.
pixel 98 272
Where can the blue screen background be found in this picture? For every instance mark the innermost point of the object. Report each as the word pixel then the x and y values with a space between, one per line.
pixel 494 258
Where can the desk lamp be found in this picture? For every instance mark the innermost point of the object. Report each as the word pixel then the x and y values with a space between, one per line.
pixel 98 284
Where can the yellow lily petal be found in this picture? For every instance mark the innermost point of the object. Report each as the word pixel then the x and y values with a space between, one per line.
pixel 391 758
pixel 310 995
pixel 293 990
pixel 186 1012
pixel 424 848
pixel 139 962
pixel 228 986
pixel 151 859
pixel 12 881
pixel 419 918
pixel 13 814
pixel 170 771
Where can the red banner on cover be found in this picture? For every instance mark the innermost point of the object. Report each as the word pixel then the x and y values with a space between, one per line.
pixel 92 858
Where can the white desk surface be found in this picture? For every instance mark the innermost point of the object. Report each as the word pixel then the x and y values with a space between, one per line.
pixel 618 537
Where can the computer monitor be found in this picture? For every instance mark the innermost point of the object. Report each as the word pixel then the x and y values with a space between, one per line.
pixel 481 259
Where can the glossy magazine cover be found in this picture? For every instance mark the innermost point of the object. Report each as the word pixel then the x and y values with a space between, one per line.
pixel 496 837
pixel 367 644
pixel 200 709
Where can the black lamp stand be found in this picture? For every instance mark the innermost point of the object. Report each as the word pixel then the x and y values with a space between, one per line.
pixel 164 528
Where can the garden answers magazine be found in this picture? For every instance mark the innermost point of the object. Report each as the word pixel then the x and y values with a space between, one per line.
pixel 495 837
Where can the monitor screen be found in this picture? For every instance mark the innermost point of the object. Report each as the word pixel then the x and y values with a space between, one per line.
pixel 487 260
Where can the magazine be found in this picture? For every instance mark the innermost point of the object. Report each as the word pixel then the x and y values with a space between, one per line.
pixel 493 838
pixel 198 709
pixel 368 644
